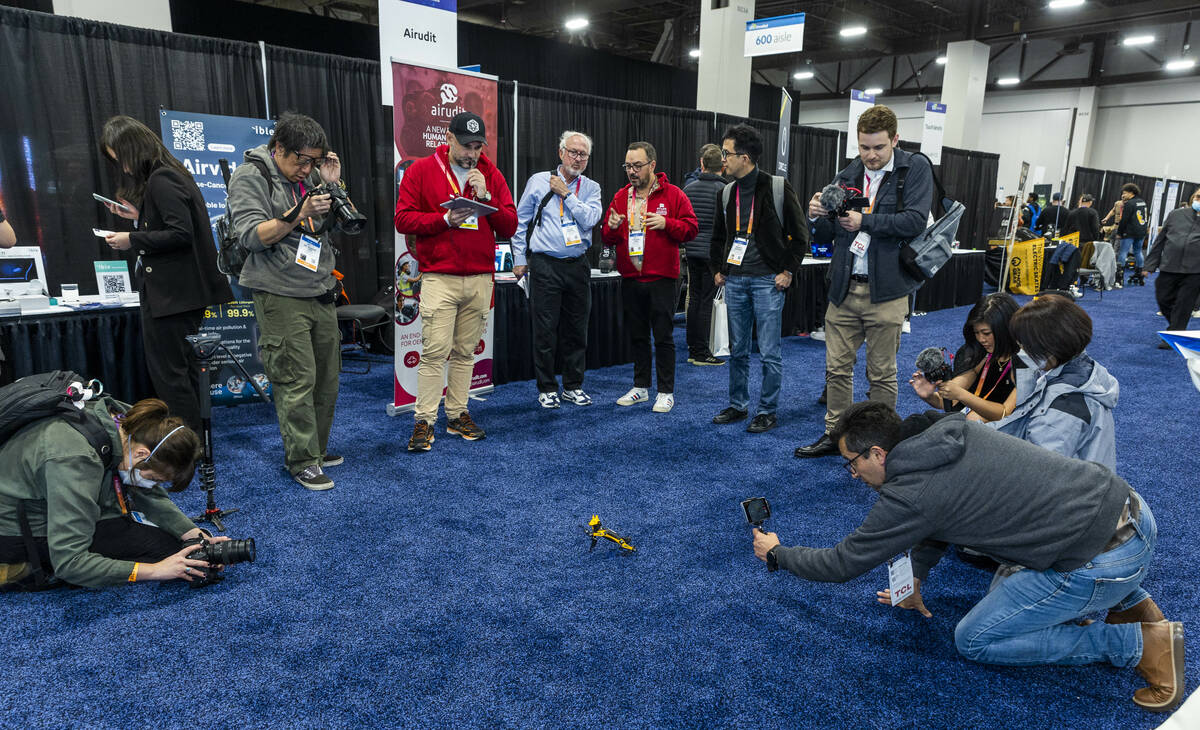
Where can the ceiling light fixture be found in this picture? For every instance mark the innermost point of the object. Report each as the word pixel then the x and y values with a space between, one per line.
pixel 853 31
pixel 802 75
pixel 1182 64
pixel 1138 40
pixel 941 60
pixel 1060 4
pixel 694 53
pixel 576 23
pixel 873 91
pixel 1008 81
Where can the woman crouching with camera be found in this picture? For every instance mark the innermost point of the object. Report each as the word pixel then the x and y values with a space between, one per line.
pixel 984 382
pixel 92 525
pixel 1065 398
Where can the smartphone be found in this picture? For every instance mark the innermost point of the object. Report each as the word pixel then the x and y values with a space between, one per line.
pixel 100 198
pixel 757 510
pixel 102 233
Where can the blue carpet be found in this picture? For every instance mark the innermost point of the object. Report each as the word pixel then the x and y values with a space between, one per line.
pixel 455 588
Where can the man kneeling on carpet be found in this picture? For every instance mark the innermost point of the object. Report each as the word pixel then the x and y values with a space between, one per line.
pixel 1068 546
pixel 95 524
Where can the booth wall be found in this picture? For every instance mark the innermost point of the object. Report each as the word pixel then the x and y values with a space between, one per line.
pixel 1149 129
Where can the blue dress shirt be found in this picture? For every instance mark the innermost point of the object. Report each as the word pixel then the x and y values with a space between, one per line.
pixel 584 208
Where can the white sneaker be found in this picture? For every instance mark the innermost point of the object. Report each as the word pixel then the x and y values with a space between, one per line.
pixel 1196 313
pixel 577 396
pixel 635 395
pixel 664 402
pixel 906 328
pixel 548 400
pixel 818 334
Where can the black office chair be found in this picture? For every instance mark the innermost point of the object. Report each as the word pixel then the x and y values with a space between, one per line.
pixel 362 319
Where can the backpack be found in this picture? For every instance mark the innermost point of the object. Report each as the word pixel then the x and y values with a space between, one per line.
pixel 231 254
pixel 924 255
pixel 34 398
pixel 776 193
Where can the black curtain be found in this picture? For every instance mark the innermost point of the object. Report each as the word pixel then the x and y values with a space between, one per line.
pixel 768 129
pixel 1088 180
pixel 815 160
pixel 343 95
pixel 66 77
pixel 970 178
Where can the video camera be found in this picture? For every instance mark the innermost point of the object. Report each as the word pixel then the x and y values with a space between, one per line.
pixel 341 211
pixel 758 510
pixel 225 552
pixel 932 363
pixel 840 200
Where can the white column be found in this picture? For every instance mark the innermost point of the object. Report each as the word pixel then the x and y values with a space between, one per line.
pixel 724 75
pixel 153 14
pixel 1081 138
pixel 965 80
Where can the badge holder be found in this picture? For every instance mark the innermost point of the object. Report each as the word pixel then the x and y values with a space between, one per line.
pixel 204 346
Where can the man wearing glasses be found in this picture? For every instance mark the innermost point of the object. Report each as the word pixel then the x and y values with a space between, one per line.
pixel 1072 538
pixel 555 218
pixel 289 268
pixel 648 220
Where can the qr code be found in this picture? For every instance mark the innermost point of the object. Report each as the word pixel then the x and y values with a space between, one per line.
pixel 187 135
pixel 113 283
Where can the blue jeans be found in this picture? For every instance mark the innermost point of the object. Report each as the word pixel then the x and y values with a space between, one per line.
pixel 1025 619
pixel 1126 244
pixel 750 301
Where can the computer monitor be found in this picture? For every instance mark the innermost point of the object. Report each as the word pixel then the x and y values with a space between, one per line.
pixel 21 272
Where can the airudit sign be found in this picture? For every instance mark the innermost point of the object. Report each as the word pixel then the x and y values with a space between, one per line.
pixel 767 36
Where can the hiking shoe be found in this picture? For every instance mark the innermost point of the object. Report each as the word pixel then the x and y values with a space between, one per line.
pixel 312 478
pixel 635 395
pixel 664 402
pixel 422 437
pixel 465 427
pixel 332 460
pixel 12 572
pixel 548 400
pixel 706 360
pixel 577 396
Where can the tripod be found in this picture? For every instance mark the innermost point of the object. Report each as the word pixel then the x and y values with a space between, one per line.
pixel 204 346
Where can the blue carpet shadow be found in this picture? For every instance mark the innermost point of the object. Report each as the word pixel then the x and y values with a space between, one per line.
pixel 455 588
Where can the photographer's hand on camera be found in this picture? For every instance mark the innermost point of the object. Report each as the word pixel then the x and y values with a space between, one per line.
pixel 912 603
pixel 815 209
pixel 763 542
pixel 852 221
pixel 314 205
pixel 926 390
pixel 175 566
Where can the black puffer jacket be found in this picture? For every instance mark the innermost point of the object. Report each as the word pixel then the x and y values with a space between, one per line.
pixel 703 193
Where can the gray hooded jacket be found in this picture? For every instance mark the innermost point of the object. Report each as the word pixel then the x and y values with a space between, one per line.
pixel 254 199
pixel 963 483
pixel 1068 410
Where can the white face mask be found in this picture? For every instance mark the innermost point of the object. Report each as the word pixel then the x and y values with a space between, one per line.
pixel 134 477
pixel 1196 205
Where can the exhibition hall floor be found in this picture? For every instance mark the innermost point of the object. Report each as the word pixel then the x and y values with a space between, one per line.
pixel 455 588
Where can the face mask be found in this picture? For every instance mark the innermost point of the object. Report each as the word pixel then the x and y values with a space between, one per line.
pixel 134 477
pixel 1196 205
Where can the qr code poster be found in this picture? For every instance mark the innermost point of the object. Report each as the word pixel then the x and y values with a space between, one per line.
pixel 112 278
pixel 187 135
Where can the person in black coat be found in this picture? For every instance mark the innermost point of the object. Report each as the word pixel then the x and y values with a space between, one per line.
pixel 1085 220
pixel 176 258
pixel 703 192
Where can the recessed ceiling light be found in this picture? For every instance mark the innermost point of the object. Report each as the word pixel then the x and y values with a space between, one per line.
pixel 1060 4
pixel 1138 40
pixel 853 31
pixel 873 91
pixel 802 75
pixel 1182 64
pixel 1008 81
pixel 941 60
pixel 576 23
pixel 694 53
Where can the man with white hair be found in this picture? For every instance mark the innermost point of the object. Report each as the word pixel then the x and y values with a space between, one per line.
pixel 555 218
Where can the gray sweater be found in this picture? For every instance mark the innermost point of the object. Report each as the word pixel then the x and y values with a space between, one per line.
pixel 963 483
pixel 254 199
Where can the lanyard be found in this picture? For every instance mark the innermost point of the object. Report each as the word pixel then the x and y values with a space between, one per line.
pixel 867 191
pixel 449 177
pixel 120 494
pixel 632 198
pixel 296 201
pixel 578 182
pixel 738 222
pixel 987 362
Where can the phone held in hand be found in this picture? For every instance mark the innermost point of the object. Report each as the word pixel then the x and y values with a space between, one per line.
pixel 101 199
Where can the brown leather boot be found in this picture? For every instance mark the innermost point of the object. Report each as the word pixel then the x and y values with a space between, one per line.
pixel 1161 666
pixel 1146 612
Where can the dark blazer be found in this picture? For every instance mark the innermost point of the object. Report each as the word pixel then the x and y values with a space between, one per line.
pixel 782 244
pixel 889 230
pixel 175 241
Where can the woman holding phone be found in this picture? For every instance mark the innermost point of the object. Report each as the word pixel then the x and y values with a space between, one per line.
pixel 175 258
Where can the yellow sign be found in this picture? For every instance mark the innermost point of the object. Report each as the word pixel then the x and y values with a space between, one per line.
pixel 1025 266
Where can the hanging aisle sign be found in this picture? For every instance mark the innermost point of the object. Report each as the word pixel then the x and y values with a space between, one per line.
pixel 785 133
pixel 935 125
pixel 1160 189
pixel 416 31
pixel 859 103
pixel 767 36
pixel 1172 196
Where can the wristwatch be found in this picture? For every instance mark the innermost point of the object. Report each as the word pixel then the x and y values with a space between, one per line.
pixel 487 199
pixel 772 559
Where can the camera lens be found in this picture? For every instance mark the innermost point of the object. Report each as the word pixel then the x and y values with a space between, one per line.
pixel 228 552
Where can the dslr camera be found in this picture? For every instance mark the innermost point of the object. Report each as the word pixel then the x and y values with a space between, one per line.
pixel 341 210
pixel 216 554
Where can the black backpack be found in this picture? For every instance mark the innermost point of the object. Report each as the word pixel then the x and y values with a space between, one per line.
pixel 34 398
pixel 231 254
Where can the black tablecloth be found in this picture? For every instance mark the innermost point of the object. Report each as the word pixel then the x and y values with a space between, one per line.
pixel 513 340
pixel 104 344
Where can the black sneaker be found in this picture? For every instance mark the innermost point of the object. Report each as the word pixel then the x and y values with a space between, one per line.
pixel 465 427
pixel 729 415
pixel 706 359
pixel 312 478
pixel 422 437
pixel 762 422
pixel 332 460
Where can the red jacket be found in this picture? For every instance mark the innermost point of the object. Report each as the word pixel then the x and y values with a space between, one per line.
pixel 661 257
pixel 439 248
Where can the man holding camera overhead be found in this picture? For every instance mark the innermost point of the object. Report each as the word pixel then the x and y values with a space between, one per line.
pixel 282 225
pixel 868 289
pixel 456 251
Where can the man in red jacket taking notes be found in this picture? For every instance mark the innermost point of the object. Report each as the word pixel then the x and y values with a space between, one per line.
pixel 456 253
pixel 648 220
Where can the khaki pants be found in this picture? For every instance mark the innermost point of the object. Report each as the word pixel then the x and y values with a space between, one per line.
pixel 301 351
pixel 856 321
pixel 454 311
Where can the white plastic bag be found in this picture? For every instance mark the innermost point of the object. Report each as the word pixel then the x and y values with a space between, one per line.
pixel 718 332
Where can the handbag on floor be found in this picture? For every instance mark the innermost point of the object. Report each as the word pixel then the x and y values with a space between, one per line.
pixel 718 331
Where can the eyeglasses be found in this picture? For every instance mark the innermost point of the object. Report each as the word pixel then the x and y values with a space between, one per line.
pixel 305 160
pixel 634 166
pixel 577 155
pixel 849 464
pixel 726 154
